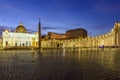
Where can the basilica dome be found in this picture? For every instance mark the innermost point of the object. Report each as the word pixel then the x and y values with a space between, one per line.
pixel 21 28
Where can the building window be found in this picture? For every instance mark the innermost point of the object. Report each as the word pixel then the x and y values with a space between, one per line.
pixel 6 43
pixel 23 44
pixel 30 43
pixel 26 43
pixel 16 44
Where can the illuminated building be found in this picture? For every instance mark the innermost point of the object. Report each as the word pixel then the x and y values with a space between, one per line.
pixel 108 40
pixel 0 43
pixel 20 37
pixel 52 35
pixel 76 33
pixel 70 34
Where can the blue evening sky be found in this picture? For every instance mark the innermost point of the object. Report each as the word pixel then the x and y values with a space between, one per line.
pixel 96 16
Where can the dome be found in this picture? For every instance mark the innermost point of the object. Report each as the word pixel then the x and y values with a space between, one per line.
pixel 20 28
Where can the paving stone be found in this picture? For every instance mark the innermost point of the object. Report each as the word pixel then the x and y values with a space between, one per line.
pixel 60 65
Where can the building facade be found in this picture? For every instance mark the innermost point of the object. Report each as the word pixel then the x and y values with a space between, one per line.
pixel 109 40
pixel 20 37
pixel 0 43
pixel 52 35
pixel 76 33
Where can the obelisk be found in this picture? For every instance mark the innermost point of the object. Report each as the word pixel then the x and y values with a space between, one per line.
pixel 39 36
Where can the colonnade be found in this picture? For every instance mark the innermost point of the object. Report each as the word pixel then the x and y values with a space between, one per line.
pixel 108 40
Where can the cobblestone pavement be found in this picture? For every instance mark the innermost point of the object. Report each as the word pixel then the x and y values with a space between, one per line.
pixel 60 65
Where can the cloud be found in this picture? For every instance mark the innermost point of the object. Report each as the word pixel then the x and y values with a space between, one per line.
pixel 107 7
pixel 45 29
pixel 6 27
pixel 75 24
pixel 31 31
pixel 53 27
pixel 99 29
pixel 2 28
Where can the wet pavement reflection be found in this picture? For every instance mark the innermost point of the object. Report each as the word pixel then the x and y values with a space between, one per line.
pixel 61 64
